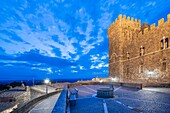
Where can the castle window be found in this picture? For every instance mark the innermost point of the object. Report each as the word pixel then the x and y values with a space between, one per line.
pixel 142 50
pixel 164 65
pixel 162 44
pixel 141 69
pixel 166 43
pixel 127 70
pixel 10 100
pixel 127 55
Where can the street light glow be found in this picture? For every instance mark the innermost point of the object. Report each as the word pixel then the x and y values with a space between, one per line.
pixel 47 81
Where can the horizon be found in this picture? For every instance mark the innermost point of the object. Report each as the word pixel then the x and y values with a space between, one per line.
pixel 60 39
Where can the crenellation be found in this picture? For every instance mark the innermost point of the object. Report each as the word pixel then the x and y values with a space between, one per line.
pixel 161 22
pixel 116 20
pixel 124 17
pixel 139 21
pixel 120 17
pixel 132 19
pixel 168 17
pixel 152 26
pixel 136 19
pixel 128 18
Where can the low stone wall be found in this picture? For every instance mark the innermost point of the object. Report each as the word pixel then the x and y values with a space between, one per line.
pixel 83 83
pixel 34 93
pixel 132 85
pixel 166 85
pixel 61 105
pixel 30 104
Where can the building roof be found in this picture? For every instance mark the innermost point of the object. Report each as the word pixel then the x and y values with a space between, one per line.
pixel 14 92
pixel 6 105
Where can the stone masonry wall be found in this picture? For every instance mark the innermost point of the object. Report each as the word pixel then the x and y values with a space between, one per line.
pixel 126 36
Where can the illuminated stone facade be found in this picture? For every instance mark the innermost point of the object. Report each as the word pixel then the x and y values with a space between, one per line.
pixel 139 53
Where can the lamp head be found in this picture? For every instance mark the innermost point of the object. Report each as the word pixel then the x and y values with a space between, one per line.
pixel 46 81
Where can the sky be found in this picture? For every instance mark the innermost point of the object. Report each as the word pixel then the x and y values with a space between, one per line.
pixel 64 39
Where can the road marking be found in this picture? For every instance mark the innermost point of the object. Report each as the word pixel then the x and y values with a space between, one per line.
pixel 105 107
pixel 117 88
pixel 90 88
pixel 131 108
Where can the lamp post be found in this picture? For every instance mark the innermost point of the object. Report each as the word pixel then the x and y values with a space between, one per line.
pixel 46 81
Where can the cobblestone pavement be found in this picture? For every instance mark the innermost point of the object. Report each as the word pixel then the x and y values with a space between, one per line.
pixel 46 106
pixel 127 100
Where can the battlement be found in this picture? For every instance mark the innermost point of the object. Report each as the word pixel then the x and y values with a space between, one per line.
pixel 161 22
pixel 120 17
pixel 152 26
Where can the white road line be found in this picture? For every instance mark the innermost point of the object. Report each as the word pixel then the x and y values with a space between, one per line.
pixel 90 88
pixel 105 107
pixel 117 88
pixel 125 105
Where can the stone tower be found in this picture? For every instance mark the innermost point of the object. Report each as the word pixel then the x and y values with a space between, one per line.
pixel 135 51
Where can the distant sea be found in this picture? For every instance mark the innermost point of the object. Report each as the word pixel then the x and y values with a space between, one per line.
pixel 33 82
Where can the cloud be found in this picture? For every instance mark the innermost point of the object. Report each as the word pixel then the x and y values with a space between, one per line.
pixel 74 71
pixel 99 65
pixel 82 67
pixel 48 70
pixel 151 3
pixel 99 61
pixel 99 57
pixel 35 31
pixel 34 58
pixel 124 7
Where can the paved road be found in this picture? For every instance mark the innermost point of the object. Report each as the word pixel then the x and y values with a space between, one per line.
pixel 127 100
pixel 46 106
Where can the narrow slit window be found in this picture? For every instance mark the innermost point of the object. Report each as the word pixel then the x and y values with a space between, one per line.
pixel 127 70
pixel 164 65
pixel 141 69
pixel 166 43
pixel 128 55
pixel 162 44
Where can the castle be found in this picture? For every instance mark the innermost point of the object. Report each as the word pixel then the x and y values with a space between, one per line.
pixel 139 53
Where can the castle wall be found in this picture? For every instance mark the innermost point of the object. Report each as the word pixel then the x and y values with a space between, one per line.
pixel 127 35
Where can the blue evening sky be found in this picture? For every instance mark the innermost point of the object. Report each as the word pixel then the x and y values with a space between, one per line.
pixel 64 39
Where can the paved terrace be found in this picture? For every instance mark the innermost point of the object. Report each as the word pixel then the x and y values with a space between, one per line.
pixel 127 100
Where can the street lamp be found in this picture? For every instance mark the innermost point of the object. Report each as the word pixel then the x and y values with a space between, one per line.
pixel 46 81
